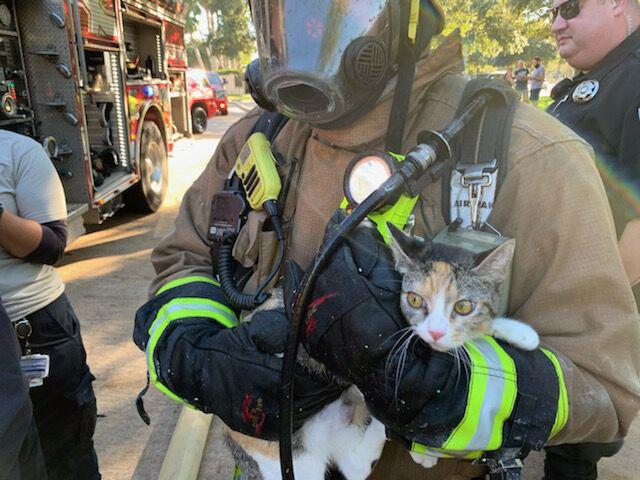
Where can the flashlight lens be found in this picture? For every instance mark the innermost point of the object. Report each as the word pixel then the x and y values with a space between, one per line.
pixel 366 176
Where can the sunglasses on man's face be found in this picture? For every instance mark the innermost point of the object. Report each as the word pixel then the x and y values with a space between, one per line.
pixel 567 10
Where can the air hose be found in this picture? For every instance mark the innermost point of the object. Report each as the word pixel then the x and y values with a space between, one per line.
pixel 225 261
pixel 434 155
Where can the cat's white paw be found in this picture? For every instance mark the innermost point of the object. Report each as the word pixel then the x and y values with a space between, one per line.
pixel 529 340
pixel 427 461
pixel 518 334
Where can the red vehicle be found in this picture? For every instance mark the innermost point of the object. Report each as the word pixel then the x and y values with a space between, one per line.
pixel 217 84
pixel 101 84
pixel 202 102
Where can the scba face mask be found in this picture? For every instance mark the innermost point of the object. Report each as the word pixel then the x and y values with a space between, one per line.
pixel 323 61
pixel 326 62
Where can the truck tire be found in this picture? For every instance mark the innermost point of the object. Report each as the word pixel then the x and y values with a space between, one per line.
pixel 148 194
pixel 199 119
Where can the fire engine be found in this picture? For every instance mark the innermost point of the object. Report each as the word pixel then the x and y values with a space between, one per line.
pixel 101 84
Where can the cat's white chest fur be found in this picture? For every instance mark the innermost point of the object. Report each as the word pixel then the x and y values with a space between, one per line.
pixel 342 434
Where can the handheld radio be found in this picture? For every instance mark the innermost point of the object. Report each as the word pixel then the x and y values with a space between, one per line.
pixel 254 180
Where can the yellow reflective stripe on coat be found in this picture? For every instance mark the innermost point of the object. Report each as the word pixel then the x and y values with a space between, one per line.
pixel 183 281
pixel 562 413
pixel 178 309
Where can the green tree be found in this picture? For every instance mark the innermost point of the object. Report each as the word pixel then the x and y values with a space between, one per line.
pixel 495 32
pixel 231 36
pixel 228 27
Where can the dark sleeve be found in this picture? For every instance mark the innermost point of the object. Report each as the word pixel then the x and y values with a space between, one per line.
pixel 52 244
pixel 629 148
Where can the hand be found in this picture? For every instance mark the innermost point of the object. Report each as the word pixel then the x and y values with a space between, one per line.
pixel 231 372
pixel 354 323
pixel 257 378
pixel 354 326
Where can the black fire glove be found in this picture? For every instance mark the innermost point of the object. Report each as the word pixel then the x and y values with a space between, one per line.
pixel 505 398
pixel 245 384
pixel 231 372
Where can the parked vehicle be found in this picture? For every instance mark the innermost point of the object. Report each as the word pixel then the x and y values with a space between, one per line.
pixel 219 92
pixel 87 79
pixel 202 102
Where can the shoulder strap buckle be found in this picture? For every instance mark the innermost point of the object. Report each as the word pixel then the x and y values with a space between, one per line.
pixel 475 178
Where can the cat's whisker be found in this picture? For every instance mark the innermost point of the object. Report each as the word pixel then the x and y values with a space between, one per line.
pixel 401 365
pixel 399 341
pixel 396 349
pixel 401 331
pixel 396 359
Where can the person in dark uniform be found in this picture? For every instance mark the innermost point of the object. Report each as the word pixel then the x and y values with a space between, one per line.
pixel 33 236
pixel 20 456
pixel 601 40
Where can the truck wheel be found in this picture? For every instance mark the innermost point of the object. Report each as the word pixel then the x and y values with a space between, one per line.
pixel 199 119
pixel 149 193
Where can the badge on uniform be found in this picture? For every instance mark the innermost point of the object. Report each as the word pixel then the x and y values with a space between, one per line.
pixel 586 91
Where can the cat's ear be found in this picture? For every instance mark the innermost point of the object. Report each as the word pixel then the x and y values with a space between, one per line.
pixel 406 250
pixel 495 265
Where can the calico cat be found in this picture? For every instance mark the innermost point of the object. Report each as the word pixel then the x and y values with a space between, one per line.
pixel 447 299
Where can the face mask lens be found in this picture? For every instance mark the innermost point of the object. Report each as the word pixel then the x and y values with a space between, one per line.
pixel 364 176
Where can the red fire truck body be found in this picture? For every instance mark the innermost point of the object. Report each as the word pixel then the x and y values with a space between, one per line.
pixel 101 84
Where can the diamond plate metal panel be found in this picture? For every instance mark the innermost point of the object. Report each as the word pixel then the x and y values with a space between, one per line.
pixel 44 46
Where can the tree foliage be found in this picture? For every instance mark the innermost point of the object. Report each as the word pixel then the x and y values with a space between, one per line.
pixel 227 33
pixel 496 32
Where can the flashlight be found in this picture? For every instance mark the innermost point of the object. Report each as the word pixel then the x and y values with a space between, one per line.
pixel 365 174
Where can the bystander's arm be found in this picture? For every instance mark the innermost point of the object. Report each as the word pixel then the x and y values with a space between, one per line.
pixel 629 149
pixel 18 236
pixel 629 242
pixel 32 225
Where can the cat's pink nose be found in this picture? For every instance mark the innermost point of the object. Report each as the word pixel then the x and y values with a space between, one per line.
pixel 436 335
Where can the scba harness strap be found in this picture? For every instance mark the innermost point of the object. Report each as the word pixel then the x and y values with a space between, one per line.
pixel 469 190
pixel 471 187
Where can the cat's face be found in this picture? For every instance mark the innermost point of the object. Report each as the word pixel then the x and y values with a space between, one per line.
pixel 446 298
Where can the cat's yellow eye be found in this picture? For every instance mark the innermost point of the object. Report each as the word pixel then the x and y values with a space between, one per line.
pixel 414 300
pixel 464 307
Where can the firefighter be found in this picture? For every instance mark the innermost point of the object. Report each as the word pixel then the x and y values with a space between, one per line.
pixel 33 235
pixel 568 281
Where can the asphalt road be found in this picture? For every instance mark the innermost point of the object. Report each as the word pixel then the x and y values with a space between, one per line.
pixel 107 272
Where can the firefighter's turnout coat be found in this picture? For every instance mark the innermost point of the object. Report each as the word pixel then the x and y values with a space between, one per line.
pixel 568 280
